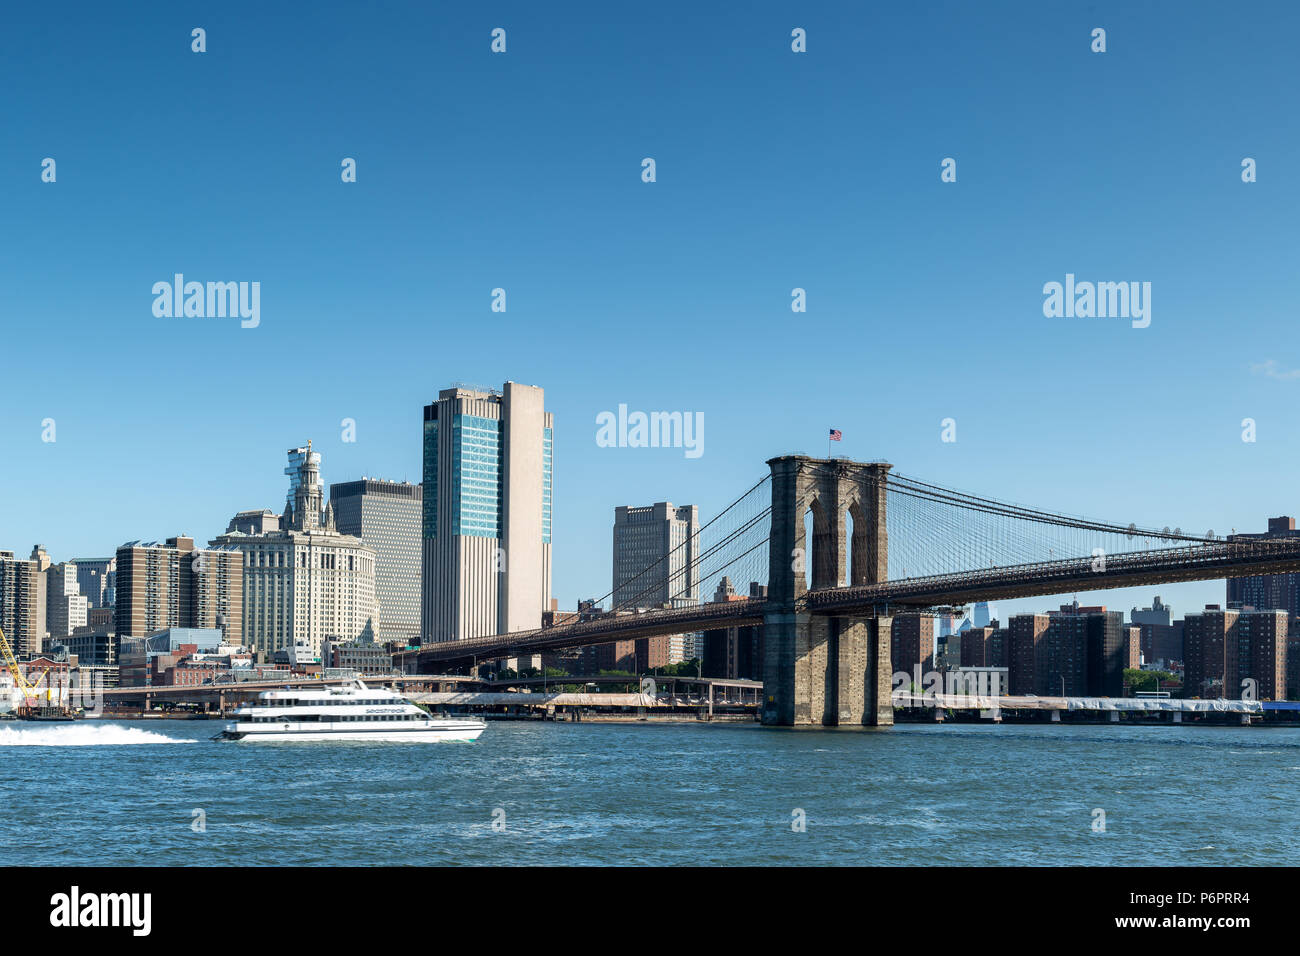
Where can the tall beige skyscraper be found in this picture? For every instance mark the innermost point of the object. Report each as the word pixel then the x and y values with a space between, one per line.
pixel 488 457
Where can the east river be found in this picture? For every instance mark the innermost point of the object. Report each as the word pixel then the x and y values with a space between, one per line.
pixel 158 792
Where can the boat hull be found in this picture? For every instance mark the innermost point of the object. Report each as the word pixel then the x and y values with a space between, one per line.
pixel 466 733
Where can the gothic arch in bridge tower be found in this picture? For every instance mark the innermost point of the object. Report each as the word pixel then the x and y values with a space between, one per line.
pixel 819 558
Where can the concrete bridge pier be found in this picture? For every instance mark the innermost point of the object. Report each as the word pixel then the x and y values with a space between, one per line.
pixel 822 669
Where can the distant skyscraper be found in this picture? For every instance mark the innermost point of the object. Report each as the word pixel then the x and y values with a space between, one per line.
pixel 386 516
pixel 303 583
pixel 984 614
pixel 487 512
pixel 1157 613
pixel 173 584
pixel 1161 638
pixel 65 605
pixel 947 624
pixel 661 538
pixel 95 577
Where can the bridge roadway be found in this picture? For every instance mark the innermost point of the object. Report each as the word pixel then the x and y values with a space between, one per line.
pixel 601 630
pixel 1201 562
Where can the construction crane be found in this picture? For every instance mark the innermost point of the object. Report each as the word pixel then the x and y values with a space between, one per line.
pixel 20 680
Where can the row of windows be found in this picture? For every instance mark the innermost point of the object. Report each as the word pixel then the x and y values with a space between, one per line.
pixel 430 479
pixel 548 442
pixel 476 461
pixel 330 702
pixel 341 718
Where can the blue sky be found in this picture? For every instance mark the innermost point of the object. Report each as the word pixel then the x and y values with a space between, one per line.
pixel 775 170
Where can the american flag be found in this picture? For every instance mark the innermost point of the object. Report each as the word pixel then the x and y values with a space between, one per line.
pixel 835 434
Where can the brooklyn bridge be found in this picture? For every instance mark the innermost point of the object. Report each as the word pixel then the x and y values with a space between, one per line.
pixel 844 546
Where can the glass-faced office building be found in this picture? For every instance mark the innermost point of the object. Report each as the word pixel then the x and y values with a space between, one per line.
pixel 488 471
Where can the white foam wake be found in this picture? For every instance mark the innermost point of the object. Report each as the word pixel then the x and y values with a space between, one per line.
pixel 82 735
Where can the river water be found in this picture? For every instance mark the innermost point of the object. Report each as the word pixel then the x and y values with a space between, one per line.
pixel 158 792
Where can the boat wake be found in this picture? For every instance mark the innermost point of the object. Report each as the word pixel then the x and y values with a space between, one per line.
pixel 82 735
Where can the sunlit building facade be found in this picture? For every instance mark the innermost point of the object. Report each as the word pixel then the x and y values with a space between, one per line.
pixel 488 486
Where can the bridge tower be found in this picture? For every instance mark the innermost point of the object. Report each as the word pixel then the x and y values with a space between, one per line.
pixel 820 669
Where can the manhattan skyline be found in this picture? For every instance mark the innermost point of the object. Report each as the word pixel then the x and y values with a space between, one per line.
pixel 522 171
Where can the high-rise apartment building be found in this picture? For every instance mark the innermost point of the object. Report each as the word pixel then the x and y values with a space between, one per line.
pixel 386 516
pixel 663 539
pixel 488 472
pixel 303 583
pixel 174 584
pixel 1226 647
pixel 1025 648
pixel 22 604
pixel 1133 647
pixel 1074 652
pixel 984 646
pixel 911 640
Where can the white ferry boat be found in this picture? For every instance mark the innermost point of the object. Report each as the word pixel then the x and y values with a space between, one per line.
pixel 349 712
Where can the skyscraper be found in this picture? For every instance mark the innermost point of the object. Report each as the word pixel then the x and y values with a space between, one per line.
pixel 95 577
pixel 984 614
pixel 66 606
pixel 303 582
pixel 386 516
pixel 1161 636
pixel 487 512
pixel 663 539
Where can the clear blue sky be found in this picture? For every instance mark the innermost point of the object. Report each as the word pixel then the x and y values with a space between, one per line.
pixel 522 171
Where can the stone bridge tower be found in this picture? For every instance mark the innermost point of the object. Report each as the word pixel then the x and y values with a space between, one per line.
pixel 817 669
